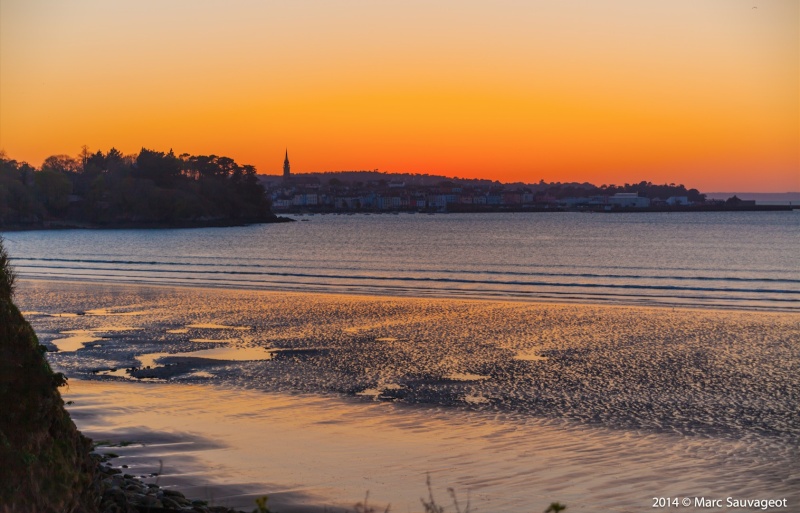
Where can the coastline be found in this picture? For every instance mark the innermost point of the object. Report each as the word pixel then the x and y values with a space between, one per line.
pixel 232 430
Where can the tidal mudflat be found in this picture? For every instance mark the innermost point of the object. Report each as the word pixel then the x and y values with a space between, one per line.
pixel 601 407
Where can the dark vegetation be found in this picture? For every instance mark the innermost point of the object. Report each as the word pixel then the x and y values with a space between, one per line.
pixel 643 189
pixel 374 180
pixel 46 463
pixel 149 189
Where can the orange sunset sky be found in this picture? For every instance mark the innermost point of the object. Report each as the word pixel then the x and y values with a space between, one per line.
pixel 700 92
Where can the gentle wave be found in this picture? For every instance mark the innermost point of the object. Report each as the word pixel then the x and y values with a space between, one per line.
pixel 434 280
pixel 267 262
pixel 734 260
pixel 151 268
pixel 557 296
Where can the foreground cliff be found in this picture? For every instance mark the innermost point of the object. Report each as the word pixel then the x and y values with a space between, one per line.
pixel 45 464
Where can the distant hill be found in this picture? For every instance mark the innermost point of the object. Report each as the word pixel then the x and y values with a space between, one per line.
pixel 375 176
pixel 415 179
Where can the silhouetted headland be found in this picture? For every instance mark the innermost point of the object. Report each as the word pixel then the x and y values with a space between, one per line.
pixel 149 190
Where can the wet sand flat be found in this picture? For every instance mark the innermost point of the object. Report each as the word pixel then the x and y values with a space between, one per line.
pixel 230 446
pixel 519 403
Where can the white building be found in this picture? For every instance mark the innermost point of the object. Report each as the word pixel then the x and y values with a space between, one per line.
pixel 678 200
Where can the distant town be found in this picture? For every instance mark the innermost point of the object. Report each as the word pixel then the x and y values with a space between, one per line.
pixel 155 189
pixel 373 191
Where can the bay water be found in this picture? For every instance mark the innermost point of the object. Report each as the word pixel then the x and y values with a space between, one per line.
pixel 748 260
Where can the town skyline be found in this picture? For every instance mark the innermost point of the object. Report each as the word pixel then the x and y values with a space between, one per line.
pixel 684 91
pixel 375 191
pixel 65 162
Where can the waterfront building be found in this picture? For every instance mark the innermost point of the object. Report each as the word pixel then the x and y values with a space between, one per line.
pixel 678 200
pixel 629 199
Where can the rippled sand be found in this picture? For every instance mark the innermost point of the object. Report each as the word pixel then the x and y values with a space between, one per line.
pixel 721 385
pixel 230 446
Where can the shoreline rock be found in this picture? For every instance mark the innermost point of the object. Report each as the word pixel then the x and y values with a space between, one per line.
pixel 124 493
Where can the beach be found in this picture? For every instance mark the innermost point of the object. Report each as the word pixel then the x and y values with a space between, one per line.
pixel 316 399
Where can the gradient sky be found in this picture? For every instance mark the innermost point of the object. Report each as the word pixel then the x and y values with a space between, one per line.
pixel 700 92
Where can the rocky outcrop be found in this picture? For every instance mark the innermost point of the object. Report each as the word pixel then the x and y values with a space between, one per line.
pixel 46 463
pixel 124 493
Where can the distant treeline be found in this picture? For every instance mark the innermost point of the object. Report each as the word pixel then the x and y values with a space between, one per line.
pixel 557 190
pixel 644 189
pixel 112 189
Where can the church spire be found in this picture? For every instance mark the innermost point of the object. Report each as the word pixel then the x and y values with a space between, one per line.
pixel 286 171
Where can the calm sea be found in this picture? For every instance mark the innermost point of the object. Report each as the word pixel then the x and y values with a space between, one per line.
pixel 746 260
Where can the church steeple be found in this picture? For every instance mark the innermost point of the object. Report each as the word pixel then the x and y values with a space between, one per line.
pixel 286 171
